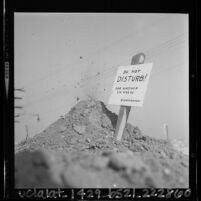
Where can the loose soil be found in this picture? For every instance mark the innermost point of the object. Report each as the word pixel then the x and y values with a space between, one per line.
pixel 79 151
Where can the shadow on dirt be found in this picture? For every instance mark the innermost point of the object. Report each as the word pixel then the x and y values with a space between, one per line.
pixel 112 116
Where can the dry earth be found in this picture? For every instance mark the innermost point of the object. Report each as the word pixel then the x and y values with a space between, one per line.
pixel 79 151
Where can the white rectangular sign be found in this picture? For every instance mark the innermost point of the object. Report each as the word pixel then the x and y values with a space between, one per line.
pixel 130 85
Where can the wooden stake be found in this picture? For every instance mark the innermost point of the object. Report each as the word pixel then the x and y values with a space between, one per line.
pixel 125 110
pixel 166 131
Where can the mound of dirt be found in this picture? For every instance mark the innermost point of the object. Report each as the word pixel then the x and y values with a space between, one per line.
pixel 79 150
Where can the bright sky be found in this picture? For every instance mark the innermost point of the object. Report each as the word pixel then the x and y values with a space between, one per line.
pixel 59 57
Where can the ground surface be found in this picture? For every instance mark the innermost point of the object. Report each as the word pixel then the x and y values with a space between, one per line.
pixel 79 151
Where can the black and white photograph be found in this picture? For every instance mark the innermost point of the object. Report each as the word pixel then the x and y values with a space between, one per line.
pixel 101 100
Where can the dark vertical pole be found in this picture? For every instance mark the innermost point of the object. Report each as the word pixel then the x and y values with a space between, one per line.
pixel 27 131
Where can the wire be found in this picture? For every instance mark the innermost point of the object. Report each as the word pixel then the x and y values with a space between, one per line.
pixel 172 42
pixel 160 48
pixel 112 69
pixel 149 50
pixel 153 75
pixel 59 92
pixel 60 70
pixel 44 98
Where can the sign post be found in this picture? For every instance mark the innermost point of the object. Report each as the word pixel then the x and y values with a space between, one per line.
pixel 165 127
pixel 129 89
